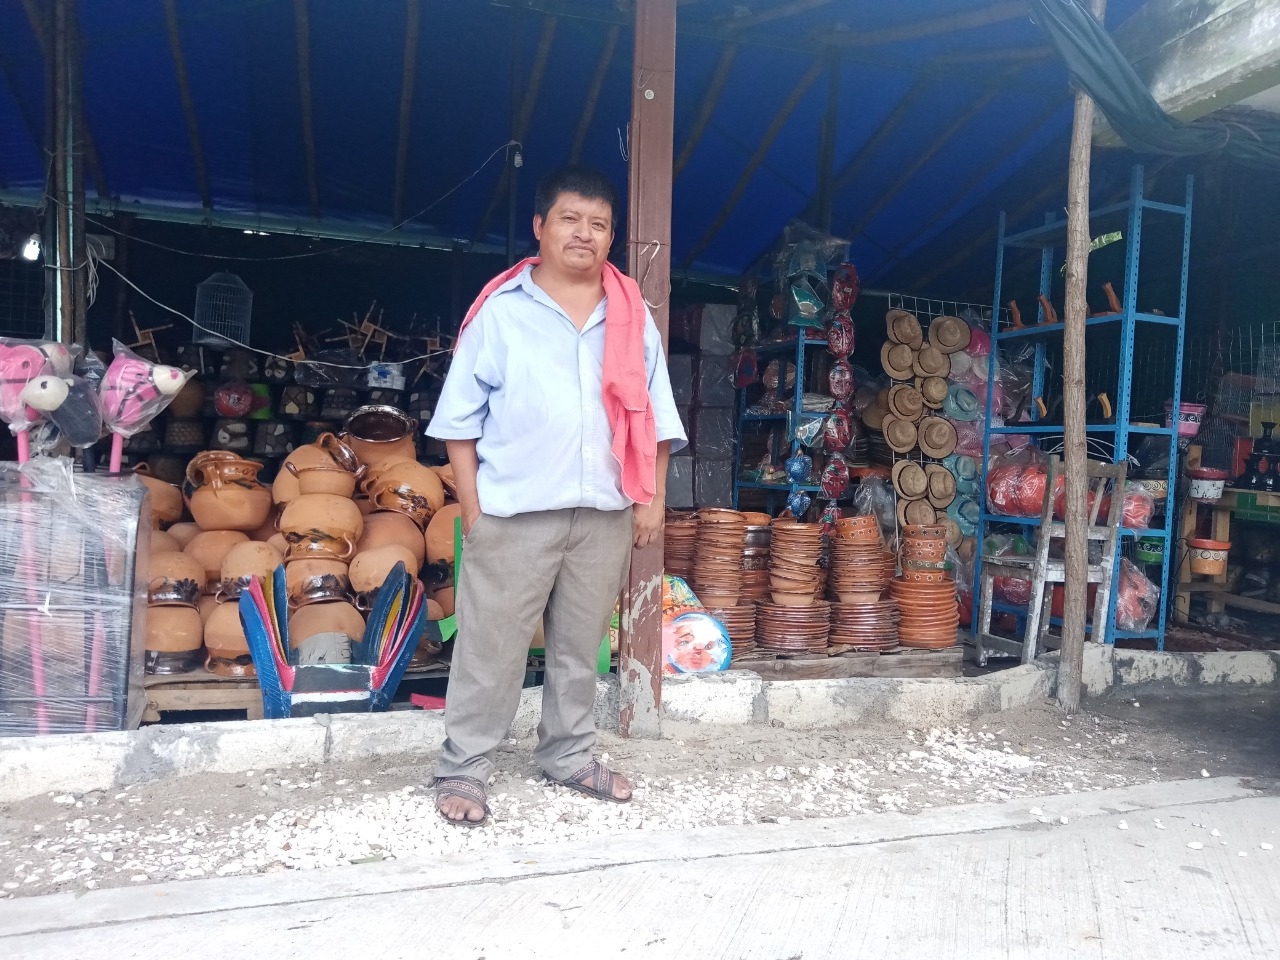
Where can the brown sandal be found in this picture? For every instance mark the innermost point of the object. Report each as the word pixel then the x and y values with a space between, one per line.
pixel 464 788
pixel 595 773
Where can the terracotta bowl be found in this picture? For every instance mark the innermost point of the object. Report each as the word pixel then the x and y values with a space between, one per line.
pixel 792 599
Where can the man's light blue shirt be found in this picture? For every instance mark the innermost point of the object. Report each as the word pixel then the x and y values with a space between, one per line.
pixel 526 385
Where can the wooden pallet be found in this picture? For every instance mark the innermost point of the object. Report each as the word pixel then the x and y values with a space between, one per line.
pixel 200 690
pixel 901 662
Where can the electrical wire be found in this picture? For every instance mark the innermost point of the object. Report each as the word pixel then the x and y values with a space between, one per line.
pixel 265 353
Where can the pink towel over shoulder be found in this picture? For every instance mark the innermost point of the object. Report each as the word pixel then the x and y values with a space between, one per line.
pixel 625 379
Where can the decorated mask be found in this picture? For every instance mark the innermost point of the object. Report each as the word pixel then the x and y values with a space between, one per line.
pixel 837 431
pixel 840 380
pixel 840 337
pixel 835 477
pixel 845 286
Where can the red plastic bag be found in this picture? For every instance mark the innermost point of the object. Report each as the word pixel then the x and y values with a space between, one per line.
pixel 1016 483
pixel 1137 599
pixel 1139 507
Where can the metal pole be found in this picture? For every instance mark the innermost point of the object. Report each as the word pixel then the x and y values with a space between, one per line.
pixel 649 262
pixel 1075 446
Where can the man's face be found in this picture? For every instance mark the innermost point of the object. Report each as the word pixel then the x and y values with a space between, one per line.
pixel 576 235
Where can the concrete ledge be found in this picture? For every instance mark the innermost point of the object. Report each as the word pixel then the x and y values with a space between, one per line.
pixel 1182 669
pixel 729 697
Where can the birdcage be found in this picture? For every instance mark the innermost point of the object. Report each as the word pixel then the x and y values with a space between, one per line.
pixel 224 306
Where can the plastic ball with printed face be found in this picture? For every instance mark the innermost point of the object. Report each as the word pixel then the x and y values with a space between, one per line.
pixel 799 503
pixel 840 336
pixel 836 430
pixel 799 467
pixel 233 399
pixel 835 477
pixel 840 380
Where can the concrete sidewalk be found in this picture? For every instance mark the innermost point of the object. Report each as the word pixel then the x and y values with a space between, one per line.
pixel 992 880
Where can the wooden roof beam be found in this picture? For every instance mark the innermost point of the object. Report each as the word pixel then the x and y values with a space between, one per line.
pixel 766 142
pixel 706 107
pixel 525 114
pixel 933 27
pixel 593 92
pixel 302 33
pixel 188 103
pixel 922 158
pixel 413 23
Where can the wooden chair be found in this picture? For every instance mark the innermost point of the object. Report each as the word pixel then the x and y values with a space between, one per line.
pixel 1041 570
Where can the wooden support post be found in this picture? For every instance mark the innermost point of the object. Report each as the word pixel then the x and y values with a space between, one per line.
pixel 1075 441
pixel 593 92
pixel 302 35
pixel 762 150
pixel 649 262
pixel 413 22
pixel 67 318
pixel 188 103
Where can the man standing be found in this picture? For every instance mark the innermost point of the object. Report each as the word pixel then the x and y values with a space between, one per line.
pixel 558 417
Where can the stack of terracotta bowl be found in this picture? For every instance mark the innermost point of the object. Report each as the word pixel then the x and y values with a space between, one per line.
pixel 866 627
pixel 224 638
pixel 789 629
pixel 755 559
pixel 717 567
pixel 856 571
pixel 925 592
pixel 679 538
pixel 740 623
pixel 795 551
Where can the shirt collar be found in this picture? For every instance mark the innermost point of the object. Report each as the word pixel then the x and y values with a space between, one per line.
pixel 524 281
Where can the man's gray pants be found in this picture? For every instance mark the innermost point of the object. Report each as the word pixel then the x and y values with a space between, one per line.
pixel 566 566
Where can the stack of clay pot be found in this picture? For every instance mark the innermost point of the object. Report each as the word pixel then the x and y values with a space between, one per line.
pixel 229 508
pixel 227 648
pixel 174 630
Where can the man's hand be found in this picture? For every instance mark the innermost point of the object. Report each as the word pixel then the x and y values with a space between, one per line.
pixel 469 516
pixel 648 521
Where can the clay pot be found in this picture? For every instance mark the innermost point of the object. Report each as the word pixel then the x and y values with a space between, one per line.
pixel 327 451
pixel 174 629
pixel 320 478
pixel 183 533
pixel 387 527
pixel 208 603
pixel 161 542
pixel 270 527
pixel 166 499
pixel 369 569
pixel 278 541
pixel 407 487
pixel 223 493
pixel 189 402
pixel 245 561
pixel 333 617
pixel 434 610
pixel 444 597
pixel 210 547
pixel 174 579
pixel 315 581
pixel 227 645
pixel 381 435
pixel 321 524
pixel 440 534
pixel 366 505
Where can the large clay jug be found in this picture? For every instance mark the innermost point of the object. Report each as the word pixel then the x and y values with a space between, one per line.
pixel 223 493
pixel 322 525
pixel 166 499
pixel 327 452
pixel 407 487
pixel 380 435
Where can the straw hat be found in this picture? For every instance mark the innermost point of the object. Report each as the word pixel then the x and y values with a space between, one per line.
pixel 931 362
pixel 897 360
pixel 905 402
pixel 965 512
pixel 918 512
pixel 899 434
pixel 961 363
pixel 904 328
pixel 937 437
pixel 873 415
pixel 942 485
pixel 933 390
pixel 954 536
pixel 910 479
pixel 949 334
pixel 961 403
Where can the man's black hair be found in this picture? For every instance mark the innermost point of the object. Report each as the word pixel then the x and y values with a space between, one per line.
pixel 583 181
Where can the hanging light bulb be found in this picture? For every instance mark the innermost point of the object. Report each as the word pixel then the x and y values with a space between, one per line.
pixel 31 249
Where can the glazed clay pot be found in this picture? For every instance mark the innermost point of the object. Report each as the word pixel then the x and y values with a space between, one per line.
pixel 183 533
pixel 320 524
pixel 166 499
pixel 315 581
pixel 381 435
pixel 366 505
pixel 387 527
pixel 270 527
pixel 406 487
pixel 324 632
pixel 439 538
pixel 210 547
pixel 226 644
pixel 223 493
pixel 278 541
pixel 245 561
pixel 208 603
pixel 320 478
pixel 326 451
pixel 174 579
pixel 161 542
pixel 174 630
pixel 369 569
pixel 444 597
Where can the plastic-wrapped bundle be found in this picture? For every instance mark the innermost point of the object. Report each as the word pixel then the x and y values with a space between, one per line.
pixel 74 604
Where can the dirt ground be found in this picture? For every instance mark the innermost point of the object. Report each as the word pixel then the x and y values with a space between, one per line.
pixel 292 817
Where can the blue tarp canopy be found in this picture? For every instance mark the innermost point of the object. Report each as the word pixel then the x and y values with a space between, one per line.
pixel 941 104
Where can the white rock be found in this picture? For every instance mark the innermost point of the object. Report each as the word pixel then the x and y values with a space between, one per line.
pixel 1242 854
pixel 1195 845
pixel 1204 773
pixel 1265 846
pixel 1214 832
pixel 1123 825
pixel 1036 812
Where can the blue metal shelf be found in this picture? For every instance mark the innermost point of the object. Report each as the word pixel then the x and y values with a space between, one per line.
pixel 1047 239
